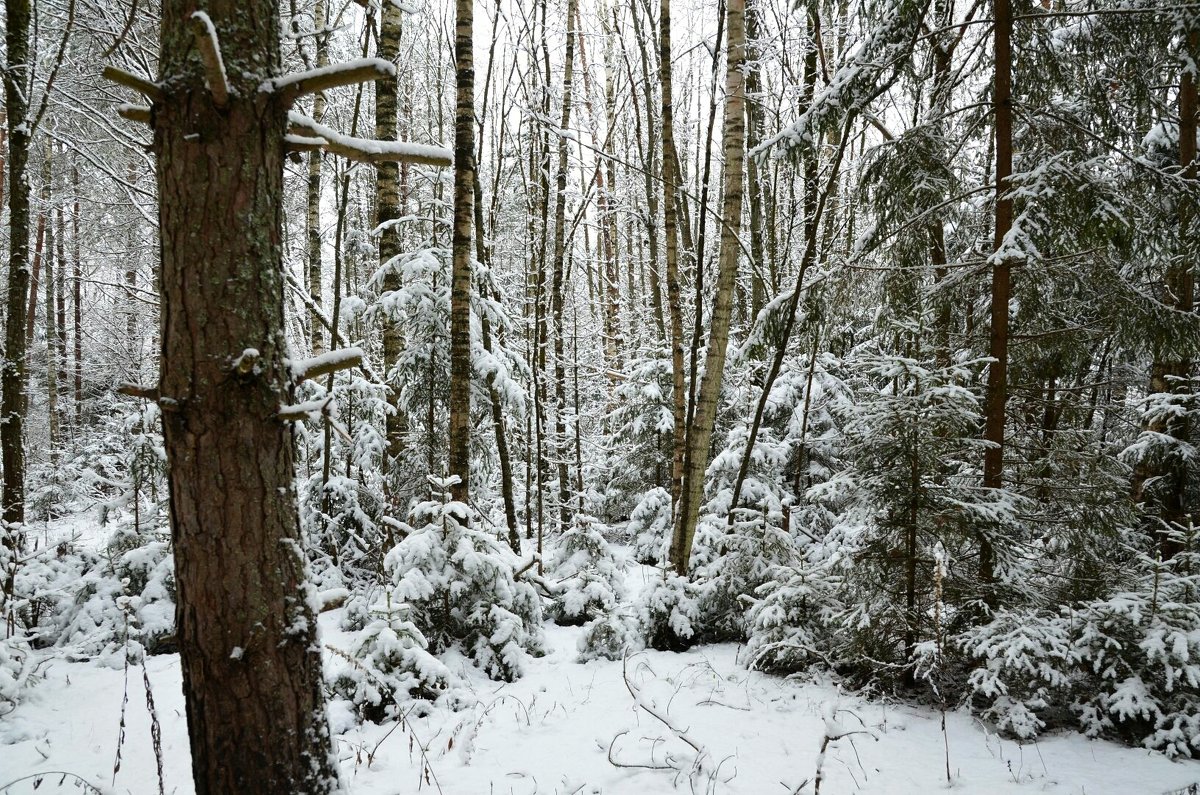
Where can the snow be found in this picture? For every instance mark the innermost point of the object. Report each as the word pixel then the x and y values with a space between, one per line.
pixel 553 731
pixel 211 31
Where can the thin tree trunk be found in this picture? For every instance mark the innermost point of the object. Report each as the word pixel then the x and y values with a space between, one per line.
pixel 313 215
pixel 460 286
pixel 387 209
pixel 997 382
pixel 77 303
pixel 557 276
pixel 700 431
pixel 247 632
pixel 670 227
pixel 39 248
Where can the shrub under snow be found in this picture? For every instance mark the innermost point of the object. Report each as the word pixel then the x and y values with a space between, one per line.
pixel 459 586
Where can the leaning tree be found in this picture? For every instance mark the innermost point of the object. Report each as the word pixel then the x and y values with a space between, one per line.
pixel 223 119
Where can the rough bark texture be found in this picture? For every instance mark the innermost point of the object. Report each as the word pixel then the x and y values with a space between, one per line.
pixel 700 430
pixel 997 381
pixel 674 293
pixel 12 380
pixel 246 627
pixel 460 283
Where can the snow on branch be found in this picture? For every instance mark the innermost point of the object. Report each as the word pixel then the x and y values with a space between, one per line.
pixel 327 363
pixel 210 52
pixel 301 143
pixel 138 391
pixel 151 90
pixel 368 150
pixel 299 84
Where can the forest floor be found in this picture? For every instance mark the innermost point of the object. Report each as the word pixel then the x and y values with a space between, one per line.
pixel 569 727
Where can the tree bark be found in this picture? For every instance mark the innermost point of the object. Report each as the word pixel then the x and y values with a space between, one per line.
pixel 997 381
pixel 700 431
pixel 557 275
pixel 12 381
pixel 670 227
pixel 460 284
pixel 246 629
pixel 387 208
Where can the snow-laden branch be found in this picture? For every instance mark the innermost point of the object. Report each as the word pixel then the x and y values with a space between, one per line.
pixel 368 150
pixel 298 84
pixel 151 90
pixel 327 363
pixel 210 52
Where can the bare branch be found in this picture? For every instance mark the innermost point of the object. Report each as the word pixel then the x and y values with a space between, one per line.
pixel 138 391
pixel 138 113
pixel 151 90
pixel 210 52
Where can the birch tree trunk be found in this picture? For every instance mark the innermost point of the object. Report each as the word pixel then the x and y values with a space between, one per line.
pixel 247 633
pixel 313 215
pixel 460 284
pixel 557 275
pixel 387 208
pixel 670 227
pixel 699 435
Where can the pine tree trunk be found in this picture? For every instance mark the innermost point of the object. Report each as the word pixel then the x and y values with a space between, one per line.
pixel 997 381
pixel 700 431
pixel 246 629
pixel 460 286
pixel 12 378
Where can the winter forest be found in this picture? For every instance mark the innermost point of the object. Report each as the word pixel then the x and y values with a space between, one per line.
pixel 600 396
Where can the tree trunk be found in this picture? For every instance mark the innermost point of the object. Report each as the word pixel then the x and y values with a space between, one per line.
pixel 1170 500
pixel 670 227
pixel 997 381
pixel 77 303
pixel 557 276
pixel 39 248
pixel 387 208
pixel 313 214
pixel 700 431
pixel 460 285
pixel 12 384
pixel 246 629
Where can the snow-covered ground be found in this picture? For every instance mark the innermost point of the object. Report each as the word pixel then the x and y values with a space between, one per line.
pixel 555 730
pixel 657 722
